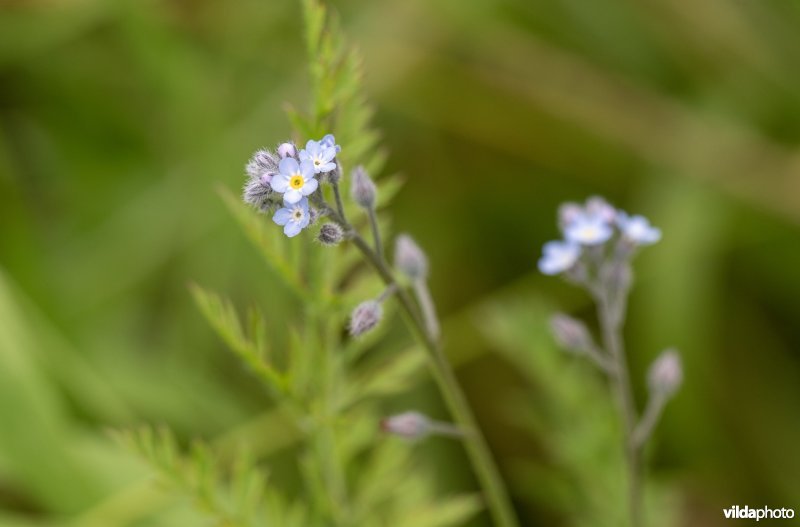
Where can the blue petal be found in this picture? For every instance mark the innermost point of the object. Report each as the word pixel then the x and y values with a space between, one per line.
pixel 327 167
pixel 292 229
pixel 288 166
pixel 282 216
pixel 280 183
pixel 310 186
pixel 292 196
pixel 546 266
pixel 312 147
pixel 307 169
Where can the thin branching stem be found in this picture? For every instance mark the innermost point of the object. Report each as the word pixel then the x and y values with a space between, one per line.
pixel 649 420
pixel 611 327
pixel 428 308
pixel 339 204
pixel 496 494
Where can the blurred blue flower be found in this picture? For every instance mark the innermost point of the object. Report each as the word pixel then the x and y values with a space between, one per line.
pixel 588 229
pixel 295 180
pixel 320 154
pixel 637 229
pixel 558 257
pixel 293 216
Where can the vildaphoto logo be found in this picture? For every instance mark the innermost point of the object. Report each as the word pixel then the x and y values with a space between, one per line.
pixel 763 513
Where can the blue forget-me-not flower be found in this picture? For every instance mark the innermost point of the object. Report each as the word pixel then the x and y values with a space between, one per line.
pixel 293 216
pixel 637 229
pixel 594 225
pixel 588 229
pixel 559 257
pixel 320 154
pixel 295 180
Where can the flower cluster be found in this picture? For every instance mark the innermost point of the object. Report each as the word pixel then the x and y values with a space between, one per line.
pixel 599 242
pixel 589 232
pixel 287 178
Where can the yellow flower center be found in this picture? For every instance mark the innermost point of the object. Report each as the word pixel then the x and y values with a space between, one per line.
pixel 317 162
pixel 296 181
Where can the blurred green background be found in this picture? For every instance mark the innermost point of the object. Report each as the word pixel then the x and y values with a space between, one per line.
pixel 121 118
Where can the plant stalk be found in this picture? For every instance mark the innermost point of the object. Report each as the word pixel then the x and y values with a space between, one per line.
pixel 610 323
pixel 496 494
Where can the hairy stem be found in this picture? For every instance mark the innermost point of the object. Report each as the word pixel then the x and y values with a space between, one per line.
pixel 610 324
pixel 497 499
pixel 337 194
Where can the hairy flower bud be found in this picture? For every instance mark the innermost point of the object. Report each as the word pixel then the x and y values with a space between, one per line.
pixel 363 188
pixel 666 374
pixel 330 234
pixel 409 425
pixel 365 317
pixel 409 258
pixel 287 150
pixel 263 162
pixel 571 334
pixel 314 215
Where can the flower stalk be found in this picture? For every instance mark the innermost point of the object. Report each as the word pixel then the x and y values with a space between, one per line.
pixel 424 326
pixel 600 242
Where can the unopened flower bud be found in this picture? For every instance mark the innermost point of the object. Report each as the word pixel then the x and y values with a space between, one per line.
pixel 571 334
pixel 330 234
pixel 258 194
pixel 262 162
pixel 287 150
pixel 666 373
pixel 409 258
pixel 314 215
pixel 363 189
pixel 365 317
pixel 409 425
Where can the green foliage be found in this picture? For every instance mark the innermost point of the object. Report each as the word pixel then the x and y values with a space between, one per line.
pixel 327 386
pixel 120 118
pixel 238 497
pixel 570 412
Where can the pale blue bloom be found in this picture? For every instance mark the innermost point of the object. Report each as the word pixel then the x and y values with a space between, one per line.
pixel 293 216
pixel 588 229
pixel 295 180
pixel 559 257
pixel 320 154
pixel 329 140
pixel 637 229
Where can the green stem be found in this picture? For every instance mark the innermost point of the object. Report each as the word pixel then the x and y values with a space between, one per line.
pixel 498 501
pixel 610 323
